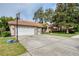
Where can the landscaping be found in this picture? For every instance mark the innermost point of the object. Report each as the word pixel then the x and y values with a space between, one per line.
pixel 65 18
pixel 59 23
pixel 10 49
pixel 63 34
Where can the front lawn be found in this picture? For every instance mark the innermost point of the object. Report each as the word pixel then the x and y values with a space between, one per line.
pixel 63 34
pixel 10 49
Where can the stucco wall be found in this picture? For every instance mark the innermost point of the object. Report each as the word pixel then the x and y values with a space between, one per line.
pixel 12 30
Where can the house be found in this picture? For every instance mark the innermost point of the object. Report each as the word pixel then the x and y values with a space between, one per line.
pixel 25 28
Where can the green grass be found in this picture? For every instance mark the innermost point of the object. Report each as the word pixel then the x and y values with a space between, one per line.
pixel 10 49
pixel 64 34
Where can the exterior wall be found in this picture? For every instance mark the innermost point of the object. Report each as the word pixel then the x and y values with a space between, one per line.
pixel 47 28
pixel 37 31
pixel 12 30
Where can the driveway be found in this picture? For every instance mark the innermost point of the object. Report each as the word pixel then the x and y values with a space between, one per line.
pixel 46 45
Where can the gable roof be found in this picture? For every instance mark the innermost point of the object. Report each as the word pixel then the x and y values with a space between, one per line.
pixel 25 23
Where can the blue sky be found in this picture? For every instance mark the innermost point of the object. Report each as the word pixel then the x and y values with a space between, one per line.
pixel 26 9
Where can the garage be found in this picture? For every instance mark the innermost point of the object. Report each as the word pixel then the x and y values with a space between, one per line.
pixel 25 28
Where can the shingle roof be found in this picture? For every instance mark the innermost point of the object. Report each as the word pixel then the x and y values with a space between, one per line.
pixel 25 23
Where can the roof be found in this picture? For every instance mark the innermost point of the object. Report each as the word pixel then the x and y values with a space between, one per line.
pixel 25 23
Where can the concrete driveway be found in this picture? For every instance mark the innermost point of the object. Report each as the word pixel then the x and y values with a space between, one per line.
pixel 46 45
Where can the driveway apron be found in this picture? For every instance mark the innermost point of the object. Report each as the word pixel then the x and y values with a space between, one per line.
pixel 46 45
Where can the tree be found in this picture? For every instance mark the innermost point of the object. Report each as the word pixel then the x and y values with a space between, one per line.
pixel 4 23
pixel 48 15
pixel 43 16
pixel 39 15
pixel 66 14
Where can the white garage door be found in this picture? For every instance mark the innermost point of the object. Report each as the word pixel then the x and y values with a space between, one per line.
pixel 25 30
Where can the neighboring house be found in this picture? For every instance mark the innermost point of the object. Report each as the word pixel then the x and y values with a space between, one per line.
pixel 25 28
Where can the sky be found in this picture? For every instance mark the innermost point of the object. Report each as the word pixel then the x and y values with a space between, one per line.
pixel 26 9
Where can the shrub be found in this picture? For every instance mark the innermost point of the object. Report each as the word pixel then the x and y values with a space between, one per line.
pixel 5 34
